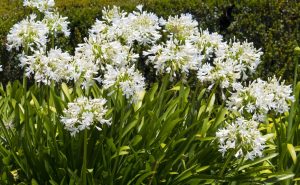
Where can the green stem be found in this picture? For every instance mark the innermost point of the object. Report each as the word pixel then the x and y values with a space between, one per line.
pixel 279 144
pixel 83 172
pixel 52 40
pixel 26 51
pixel 228 160
pixel 292 110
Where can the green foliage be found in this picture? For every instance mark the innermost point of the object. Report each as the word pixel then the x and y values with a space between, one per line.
pixel 169 138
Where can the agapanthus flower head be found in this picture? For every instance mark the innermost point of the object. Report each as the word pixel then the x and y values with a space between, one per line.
pixel 244 53
pixel 243 137
pixel 173 57
pixel 41 5
pixel 223 72
pixel 117 54
pixel 143 27
pixel 261 97
pixel 140 26
pixel 113 14
pixel 226 63
pixel 181 27
pixel 28 33
pixel 56 23
pixel 209 43
pixel 86 67
pixel 128 79
pixel 113 53
pixel 83 113
pixel 100 32
pixel 54 65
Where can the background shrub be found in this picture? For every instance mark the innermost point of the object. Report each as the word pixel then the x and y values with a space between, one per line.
pixel 271 25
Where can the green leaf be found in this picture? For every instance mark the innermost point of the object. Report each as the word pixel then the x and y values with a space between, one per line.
pixel 112 146
pixel 256 161
pixel 143 177
pixel 129 127
pixel 34 182
pixel 190 172
pixel 292 152
pixel 66 91
pixel 153 91
pixel 136 140
pixel 211 103
pixel 279 177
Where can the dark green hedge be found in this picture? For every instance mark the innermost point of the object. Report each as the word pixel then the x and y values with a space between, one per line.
pixel 272 25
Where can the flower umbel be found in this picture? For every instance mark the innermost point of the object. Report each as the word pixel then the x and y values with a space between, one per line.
pixel 260 97
pixel 130 81
pixel 243 136
pixel 83 113
pixel 41 5
pixel 55 65
pixel 28 33
pixel 56 23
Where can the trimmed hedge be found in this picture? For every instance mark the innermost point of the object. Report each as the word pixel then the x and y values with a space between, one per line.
pixel 271 25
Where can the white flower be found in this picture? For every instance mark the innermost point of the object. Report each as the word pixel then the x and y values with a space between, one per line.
pixel 112 14
pixel 83 113
pixel 142 27
pixel 56 23
pixel 54 65
pixel 241 135
pixel 99 31
pixel 225 72
pixel 129 80
pixel 173 57
pixel 41 5
pixel 113 27
pixel 260 97
pixel 244 53
pixel 28 33
pixel 86 68
pixel 226 64
pixel 113 53
pixel 209 44
pixel 181 27
pixel 1 68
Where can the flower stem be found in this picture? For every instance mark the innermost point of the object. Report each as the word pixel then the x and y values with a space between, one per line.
pixel 83 172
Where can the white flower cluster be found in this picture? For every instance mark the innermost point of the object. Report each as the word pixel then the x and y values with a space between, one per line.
pixel 209 44
pixel 32 36
pixel 140 26
pixel 190 49
pixel 113 53
pixel 56 23
pixel 260 97
pixel 241 137
pixel 110 49
pixel 128 79
pixel 85 67
pixel 172 57
pixel 54 65
pixel 253 102
pixel 41 5
pixel 231 63
pixel 181 27
pixel 83 113
pixel 28 33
